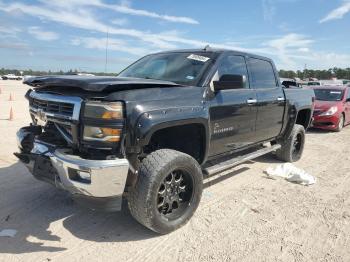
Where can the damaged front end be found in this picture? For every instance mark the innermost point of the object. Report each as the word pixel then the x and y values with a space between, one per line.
pixel 54 150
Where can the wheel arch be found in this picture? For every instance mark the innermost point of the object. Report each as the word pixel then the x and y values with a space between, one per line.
pixel 190 137
pixel 304 118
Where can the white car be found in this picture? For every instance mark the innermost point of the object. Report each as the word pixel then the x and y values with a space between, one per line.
pixel 11 77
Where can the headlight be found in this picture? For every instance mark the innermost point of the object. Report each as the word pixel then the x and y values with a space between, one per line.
pixel 103 134
pixel 112 110
pixel 330 111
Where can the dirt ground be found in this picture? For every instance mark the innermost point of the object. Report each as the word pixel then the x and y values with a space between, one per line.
pixel 243 216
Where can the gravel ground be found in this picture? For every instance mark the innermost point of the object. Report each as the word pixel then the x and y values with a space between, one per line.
pixel 243 216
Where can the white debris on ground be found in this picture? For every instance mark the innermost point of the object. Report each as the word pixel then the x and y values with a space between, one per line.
pixel 291 173
pixel 8 233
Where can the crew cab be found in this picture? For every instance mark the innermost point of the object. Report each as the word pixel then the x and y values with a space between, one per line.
pixel 153 133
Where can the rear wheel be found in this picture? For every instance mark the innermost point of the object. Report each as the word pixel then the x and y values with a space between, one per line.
pixel 341 123
pixel 292 149
pixel 167 192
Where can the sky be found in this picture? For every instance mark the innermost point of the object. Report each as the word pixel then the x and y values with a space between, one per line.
pixel 71 34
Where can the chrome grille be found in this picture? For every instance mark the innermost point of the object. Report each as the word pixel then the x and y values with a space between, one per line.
pixel 50 106
pixel 53 107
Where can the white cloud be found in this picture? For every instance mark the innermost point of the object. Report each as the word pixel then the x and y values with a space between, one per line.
pixel 289 47
pixel 138 12
pixel 337 13
pixel 328 60
pixel 290 51
pixel 40 34
pixel 14 46
pixel 304 49
pixel 290 41
pixel 124 8
pixel 9 31
pixel 293 51
pixel 113 44
pixel 120 21
pixel 125 3
pixel 83 19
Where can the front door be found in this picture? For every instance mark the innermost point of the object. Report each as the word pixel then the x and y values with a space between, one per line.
pixel 232 112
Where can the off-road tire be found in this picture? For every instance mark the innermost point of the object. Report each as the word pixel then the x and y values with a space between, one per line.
pixel 287 152
pixel 142 200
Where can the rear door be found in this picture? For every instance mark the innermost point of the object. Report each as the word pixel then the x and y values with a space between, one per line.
pixel 270 98
pixel 232 112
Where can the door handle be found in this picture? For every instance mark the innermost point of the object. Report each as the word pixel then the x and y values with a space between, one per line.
pixel 280 98
pixel 251 101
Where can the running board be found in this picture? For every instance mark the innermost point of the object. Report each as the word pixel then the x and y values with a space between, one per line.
pixel 239 160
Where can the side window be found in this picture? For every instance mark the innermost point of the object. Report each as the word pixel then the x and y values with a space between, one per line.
pixel 262 74
pixel 348 96
pixel 231 65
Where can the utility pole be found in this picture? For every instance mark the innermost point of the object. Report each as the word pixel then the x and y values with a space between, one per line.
pixel 106 58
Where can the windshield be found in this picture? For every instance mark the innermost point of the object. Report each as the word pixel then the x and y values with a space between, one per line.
pixel 182 68
pixel 328 94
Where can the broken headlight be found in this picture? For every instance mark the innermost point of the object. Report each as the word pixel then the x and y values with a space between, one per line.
pixel 103 134
pixel 100 113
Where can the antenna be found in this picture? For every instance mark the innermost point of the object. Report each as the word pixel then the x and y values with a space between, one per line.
pixel 206 48
pixel 106 58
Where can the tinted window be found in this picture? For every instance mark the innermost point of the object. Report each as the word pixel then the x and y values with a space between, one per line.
pixel 262 74
pixel 231 65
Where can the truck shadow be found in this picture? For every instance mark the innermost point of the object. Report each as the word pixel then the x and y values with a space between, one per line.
pixel 268 159
pixel 217 178
pixel 32 208
pixel 37 211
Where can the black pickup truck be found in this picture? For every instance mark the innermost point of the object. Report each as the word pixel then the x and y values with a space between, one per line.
pixel 154 132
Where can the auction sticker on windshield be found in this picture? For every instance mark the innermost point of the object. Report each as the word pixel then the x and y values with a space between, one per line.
pixel 198 58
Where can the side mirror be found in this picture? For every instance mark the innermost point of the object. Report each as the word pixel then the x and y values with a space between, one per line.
pixel 348 100
pixel 230 82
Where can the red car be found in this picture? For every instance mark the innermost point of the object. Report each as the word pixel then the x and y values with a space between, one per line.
pixel 332 107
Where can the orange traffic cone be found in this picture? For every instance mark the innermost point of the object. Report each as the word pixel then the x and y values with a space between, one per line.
pixel 11 97
pixel 11 114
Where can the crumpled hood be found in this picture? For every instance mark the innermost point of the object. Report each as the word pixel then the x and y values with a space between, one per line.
pixel 96 83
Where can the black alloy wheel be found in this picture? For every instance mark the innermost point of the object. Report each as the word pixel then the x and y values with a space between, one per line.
pixel 167 192
pixel 175 194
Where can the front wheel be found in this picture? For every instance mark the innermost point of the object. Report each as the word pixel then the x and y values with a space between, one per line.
pixel 168 190
pixel 341 123
pixel 292 149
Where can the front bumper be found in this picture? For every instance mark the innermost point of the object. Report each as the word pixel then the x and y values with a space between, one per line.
pixel 98 184
pixel 326 122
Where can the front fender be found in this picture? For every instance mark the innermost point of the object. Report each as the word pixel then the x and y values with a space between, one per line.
pixel 151 121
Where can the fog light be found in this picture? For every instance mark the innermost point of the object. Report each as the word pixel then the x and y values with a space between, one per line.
pixel 84 175
pixel 79 176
